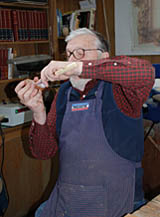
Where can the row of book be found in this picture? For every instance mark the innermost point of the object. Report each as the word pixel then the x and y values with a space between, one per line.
pixel 23 25
pixel 76 19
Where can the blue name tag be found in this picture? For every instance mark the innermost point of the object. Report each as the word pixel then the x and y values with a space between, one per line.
pixel 80 106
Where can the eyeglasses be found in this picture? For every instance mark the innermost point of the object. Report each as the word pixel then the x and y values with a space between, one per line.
pixel 79 53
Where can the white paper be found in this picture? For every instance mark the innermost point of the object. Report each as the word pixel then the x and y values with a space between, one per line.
pixel 87 4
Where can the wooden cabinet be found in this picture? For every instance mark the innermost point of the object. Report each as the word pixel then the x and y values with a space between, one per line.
pixel 29 181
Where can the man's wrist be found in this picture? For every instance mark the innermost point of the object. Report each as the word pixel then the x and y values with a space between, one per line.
pixel 79 67
pixel 40 117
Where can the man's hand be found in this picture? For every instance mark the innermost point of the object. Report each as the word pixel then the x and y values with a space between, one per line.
pixel 60 70
pixel 31 96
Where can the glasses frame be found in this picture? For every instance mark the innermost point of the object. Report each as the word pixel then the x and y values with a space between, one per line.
pixel 84 50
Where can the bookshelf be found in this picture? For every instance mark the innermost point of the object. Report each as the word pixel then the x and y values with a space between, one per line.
pixel 33 33
pixel 26 46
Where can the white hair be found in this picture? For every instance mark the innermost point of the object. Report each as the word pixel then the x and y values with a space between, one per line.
pixel 101 43
pixel 81 31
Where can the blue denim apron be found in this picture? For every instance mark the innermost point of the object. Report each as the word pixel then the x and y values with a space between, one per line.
pixel 94 181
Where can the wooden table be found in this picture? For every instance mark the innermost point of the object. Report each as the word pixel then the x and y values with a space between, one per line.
pixel 151 209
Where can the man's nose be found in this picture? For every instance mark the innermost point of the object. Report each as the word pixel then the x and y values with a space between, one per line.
pixel 71 58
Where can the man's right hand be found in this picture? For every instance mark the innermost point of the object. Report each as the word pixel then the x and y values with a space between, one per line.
pixel 32 97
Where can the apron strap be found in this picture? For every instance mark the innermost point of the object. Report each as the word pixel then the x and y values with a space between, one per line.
pixel 99 90
pixel 68 94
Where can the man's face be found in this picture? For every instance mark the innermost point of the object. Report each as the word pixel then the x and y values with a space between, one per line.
pixel 85 42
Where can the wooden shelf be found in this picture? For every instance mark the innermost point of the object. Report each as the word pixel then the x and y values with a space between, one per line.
pixel 23 42
pixel 22 5
pixel 10 80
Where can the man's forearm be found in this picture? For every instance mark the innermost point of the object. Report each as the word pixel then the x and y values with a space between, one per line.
pixel 121 70
pixel 40 118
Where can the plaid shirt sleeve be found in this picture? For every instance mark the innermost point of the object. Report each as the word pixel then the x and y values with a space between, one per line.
pixel 132 80
pixel 42 138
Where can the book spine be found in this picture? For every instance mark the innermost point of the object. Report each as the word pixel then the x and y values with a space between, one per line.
pixel 19 25
pixel 4 66
pixel 42 25
pixel 58 22
pixel 92 19
pixel 10 66
pixel 15 25
pixel 22 25
pixel 4 23
pixel 32 26
pixel 25 25
pixel 36 25
pixel 11 26
pixel 39 25
pixel 29 25
pixel 7 25
pixel 0 64
pixel 1 30
pixel 45 26
pixel 72 21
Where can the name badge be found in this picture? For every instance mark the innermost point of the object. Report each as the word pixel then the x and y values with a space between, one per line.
pixel 80 106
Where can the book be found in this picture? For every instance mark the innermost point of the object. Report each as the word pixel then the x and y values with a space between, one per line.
pixel 25 25
pixel 45 25
pixel 38 26
pixel 59 22
pixel 15 25
pixel 10 66
pixel 19 22
pixel 3 63
pixel 1 26
pixel 29 25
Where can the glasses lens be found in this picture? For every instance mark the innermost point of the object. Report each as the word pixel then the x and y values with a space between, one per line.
pixel 78 53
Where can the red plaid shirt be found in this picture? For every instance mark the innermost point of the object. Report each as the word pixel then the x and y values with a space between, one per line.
pixel 132 81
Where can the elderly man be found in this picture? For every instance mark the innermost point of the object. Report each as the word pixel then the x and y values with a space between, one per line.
pixel 95 122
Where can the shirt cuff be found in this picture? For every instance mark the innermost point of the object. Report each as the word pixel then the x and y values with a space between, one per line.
pixel 36 128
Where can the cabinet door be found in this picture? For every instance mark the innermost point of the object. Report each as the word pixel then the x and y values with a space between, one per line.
pixel 29 181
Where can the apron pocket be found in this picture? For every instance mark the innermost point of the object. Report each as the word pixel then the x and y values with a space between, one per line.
pixel 80 201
